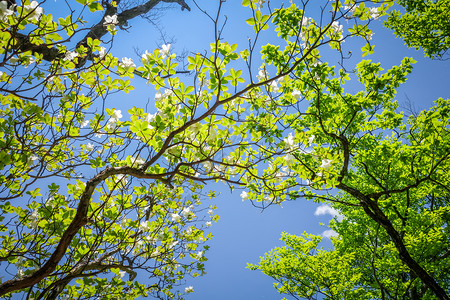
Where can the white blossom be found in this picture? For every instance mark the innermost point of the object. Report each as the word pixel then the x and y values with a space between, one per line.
pixel 262 75
pixel 150 117
pixel 127 63
pixel 274 86
pixel 122 273
pixel 337 28
pixel 138 160
pixel 188 289
pixel 155 253
pixel 117 114
pixel 111 21
pixel 20 273
pixel 199 254
pixel 146 55
pixel 122 178
pixel 244 195
pixel 84 123
pixel 311 139
pixel 102 52
pixel 208 224
pixel 289 142
pixel 165 49
pixel 89 147
pixel 186 212
pixel 34 218
pixel 296 94
pixel 374 14
pixel 175 217
pixel 144 226
pixel 326 164
pixel 70 55
pixel 34 11
pixel 173 244
pixel 4 11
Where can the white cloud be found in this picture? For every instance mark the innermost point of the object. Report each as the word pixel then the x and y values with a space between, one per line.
pixel 329 233
pixel 325 209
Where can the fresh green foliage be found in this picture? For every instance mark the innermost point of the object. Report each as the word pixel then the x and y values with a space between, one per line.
pixel 423 24
pixel 407 173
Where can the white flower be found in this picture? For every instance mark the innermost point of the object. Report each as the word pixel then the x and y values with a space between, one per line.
pixel 102 52
pixel 351 8
pixel 244 195
pixel 139 160
pixel 20 272
pixel 34 11
pixel 208 224
pixel 208 166
pixel 338 29
pixel 155 253
pixel 146 55
pixel 127 63
pixel 4 11
pixel 199 254
pixel 311 139
pixel 274 86
pixel 165 49
pixel 111 20
pixel 89 147
pixel 188 289
pixel 117 114
pixel 186 212
pixel 305 21
pixel 289 142
pixel 70 55
pixel 262 75
pixel 122 273
pixel 122 178
pixel 173 244
pixel 175 217
pixel 150 117
pixel 326 164
pixel 374 14
pixel 144 226
pixel 84 123
pixel 34 218
pixel 210 212
pixel 296 94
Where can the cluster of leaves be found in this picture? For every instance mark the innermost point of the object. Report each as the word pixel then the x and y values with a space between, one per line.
pixel 424 24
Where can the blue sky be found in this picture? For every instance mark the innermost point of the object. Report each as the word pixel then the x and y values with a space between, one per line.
pixel 244 233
